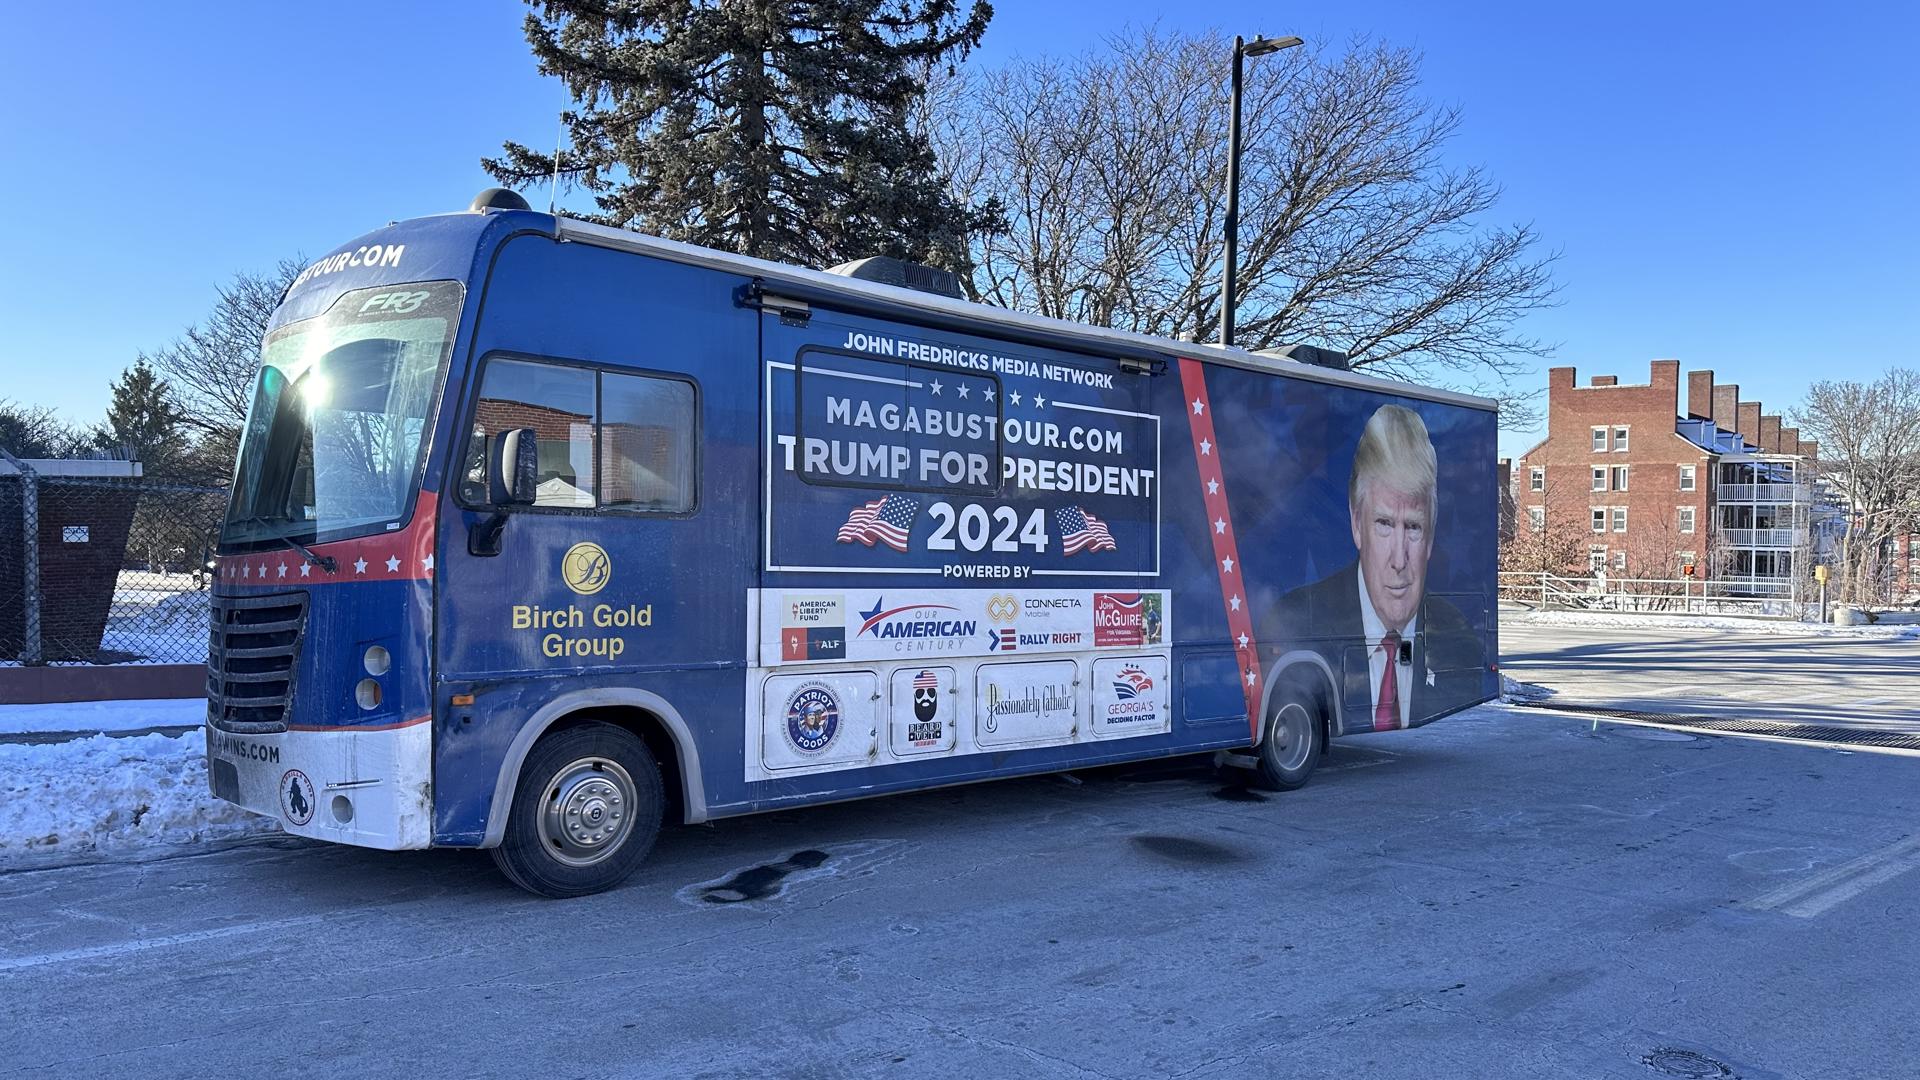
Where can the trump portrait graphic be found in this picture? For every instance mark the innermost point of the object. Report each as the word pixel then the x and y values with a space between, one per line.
pixel 1403 656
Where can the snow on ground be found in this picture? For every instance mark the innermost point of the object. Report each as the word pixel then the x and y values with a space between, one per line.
pixel 102 715
pixel 106 796
pixel 1513 690
pixel 1705 622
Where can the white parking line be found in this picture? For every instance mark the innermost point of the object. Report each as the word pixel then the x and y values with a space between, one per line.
pixel 1836 885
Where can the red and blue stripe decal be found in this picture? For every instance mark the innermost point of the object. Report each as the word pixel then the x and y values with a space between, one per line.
pixel 1226 552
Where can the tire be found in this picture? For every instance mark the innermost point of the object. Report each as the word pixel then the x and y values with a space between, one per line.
pixel 585 812
pixel 1294 739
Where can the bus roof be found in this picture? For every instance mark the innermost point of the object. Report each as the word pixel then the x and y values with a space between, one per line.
pixel 818 286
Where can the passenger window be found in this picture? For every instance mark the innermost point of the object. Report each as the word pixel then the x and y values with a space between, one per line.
pixel 558 404
pixel 646 443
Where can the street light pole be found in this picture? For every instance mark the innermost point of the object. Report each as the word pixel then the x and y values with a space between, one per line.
pixel 1242 48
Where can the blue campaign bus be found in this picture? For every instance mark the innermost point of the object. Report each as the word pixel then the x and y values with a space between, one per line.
pixel 543 534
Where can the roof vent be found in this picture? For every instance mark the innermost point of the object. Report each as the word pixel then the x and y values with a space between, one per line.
pixel 1311 354
pixel 498 198
pixel 888 270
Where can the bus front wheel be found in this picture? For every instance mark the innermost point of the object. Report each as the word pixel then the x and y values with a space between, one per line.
pixel 585 812
pixel 1294 739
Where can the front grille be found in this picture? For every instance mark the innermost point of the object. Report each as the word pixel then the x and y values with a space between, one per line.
pixel 251 651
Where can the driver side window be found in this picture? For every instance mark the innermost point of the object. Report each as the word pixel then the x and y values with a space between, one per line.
pixel 560 405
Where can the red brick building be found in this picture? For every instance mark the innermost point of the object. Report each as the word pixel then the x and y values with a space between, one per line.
pixel 1652 483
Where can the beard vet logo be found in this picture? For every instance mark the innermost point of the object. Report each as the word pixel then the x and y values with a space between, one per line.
pixel 296 796
pixel 585 568
pixel 813 718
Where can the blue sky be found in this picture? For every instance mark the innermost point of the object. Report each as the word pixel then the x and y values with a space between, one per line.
pixel 1729 184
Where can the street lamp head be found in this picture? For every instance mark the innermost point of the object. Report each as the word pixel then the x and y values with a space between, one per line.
pixel 1261 46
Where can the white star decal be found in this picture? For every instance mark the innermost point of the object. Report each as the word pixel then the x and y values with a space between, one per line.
pixel 1213 487
pixel 359 566
pixel 1013 396
pixel 1250 676
pixel 246 570
pixel 1206 448
pixel 989 393
pixel 936 387
pixel 282 571
pixel 963 389
pixel 1219 525
pixel 1234 601
pixel 305 568
pixel 1243 641
pixel 263 570
pixel 1039 402
pixel 393 564
pixel 426 564
pixel 1198 407
pixel 1226 565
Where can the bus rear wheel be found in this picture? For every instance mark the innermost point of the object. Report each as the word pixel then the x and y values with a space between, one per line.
pixel 1294 740
pixel 585 813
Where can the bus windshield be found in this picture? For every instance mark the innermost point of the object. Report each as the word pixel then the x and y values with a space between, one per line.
pixel 334 438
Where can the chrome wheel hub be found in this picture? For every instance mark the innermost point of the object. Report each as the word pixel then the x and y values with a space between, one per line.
pixel 588 811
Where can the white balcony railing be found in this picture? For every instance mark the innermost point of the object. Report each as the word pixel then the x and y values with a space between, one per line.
pixel 1763 493
pixel 1767 538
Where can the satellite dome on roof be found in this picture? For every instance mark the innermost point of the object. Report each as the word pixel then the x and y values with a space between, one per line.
pixel 888 270
pixel 499 198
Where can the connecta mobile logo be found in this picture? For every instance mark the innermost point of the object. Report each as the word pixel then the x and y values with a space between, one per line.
pixel 913 621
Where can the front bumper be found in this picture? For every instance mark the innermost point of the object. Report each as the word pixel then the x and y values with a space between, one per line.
pixel 367 787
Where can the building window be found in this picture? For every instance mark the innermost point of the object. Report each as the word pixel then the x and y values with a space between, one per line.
pixel 1619 519
pixel 1620 560
pixel 1686 519
pixel 1537 517
pixel 1686 477
pixel 1599 439
pixel 1599 519
pixel 1599 478
pixel 1619 440
pixel 1537 478
pixel 1596 559
pixel 1619 478
pixel 1686 559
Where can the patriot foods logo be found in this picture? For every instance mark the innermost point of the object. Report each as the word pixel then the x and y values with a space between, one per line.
pixel 813 717
pixel 586 568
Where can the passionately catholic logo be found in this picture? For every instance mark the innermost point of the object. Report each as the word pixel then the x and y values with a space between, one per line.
pixel 585 568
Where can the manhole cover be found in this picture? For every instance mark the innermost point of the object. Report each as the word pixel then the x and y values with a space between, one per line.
pixel 1686 1063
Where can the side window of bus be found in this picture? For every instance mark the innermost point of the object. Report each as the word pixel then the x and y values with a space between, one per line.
pixel 558 403
pixel 646 443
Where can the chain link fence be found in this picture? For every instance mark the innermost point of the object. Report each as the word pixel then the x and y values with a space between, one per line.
pixel 103 569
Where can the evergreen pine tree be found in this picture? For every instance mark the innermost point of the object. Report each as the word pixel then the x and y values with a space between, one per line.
pixel 775 129
pixel 143 420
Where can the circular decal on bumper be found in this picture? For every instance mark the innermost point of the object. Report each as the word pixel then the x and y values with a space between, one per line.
pixel 296 796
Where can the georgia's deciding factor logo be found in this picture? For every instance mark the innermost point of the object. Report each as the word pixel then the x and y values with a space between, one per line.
pixel 296 796
pixel 585 568
pixel 813 717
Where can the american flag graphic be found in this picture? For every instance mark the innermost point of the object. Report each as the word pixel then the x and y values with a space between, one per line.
pixel 1081 531
pixel 886 520
pixel 926 681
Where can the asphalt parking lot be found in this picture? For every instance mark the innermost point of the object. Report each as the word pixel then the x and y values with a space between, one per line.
pixel 1498 895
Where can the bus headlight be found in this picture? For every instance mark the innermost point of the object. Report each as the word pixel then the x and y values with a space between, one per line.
pixel 367 694
pixel 377 660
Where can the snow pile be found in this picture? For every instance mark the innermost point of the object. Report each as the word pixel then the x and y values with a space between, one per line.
pixel 65 802
pixel 1512 690
pixel 91 716
pixel 1707 622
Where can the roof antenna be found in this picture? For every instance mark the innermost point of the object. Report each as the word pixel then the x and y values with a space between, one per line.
pixel 553 192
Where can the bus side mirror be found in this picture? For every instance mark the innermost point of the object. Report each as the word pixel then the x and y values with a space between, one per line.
pixel 513 470
pixel 513 478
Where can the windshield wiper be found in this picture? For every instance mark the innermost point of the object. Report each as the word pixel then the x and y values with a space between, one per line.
pixel 324 562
